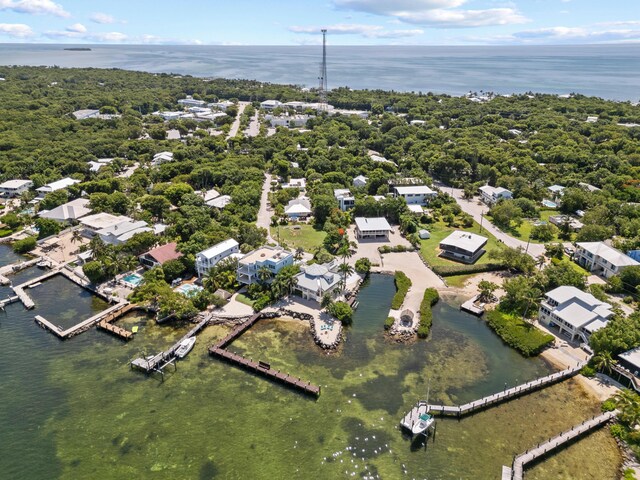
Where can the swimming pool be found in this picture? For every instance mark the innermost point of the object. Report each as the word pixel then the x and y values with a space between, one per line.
pixel 133 279
pixel 549 204
pixel 189 289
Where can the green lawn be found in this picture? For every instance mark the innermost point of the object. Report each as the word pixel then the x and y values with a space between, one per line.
pixel 299 236
pixel 244 299
pixel 429 249
pixel 524 230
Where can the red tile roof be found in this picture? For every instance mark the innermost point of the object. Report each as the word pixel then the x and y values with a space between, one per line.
pixel 164 253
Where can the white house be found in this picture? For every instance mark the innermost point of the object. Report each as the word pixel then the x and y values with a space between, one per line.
pixel 270 104
pixel 380 159
pixel 556 192
pixel 560 220
pixel 210 257
pixel 162 157
pixel 315 281
pixel 57 185
pixel 209 195
pixel 415 194
pixel 273 259
pixel 360 181
pixel 221 105
pixel 345 199
pixel 191 102
pixel 288 120
pixel 491 195
pixel 376 227
pixel 15 188
pixel 93 223
pixel 574 312
pixel 219 202
pixel 298 208
pixel 299 183
pixel 601 259
pixel 72 210
pixel 462 246
pixel 121 232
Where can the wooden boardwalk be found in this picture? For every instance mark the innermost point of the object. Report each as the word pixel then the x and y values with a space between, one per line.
pixel 516 472
pixel 113 311
pixel 105 323
pixel 265 369
pixel 262 368
pixel 159 361
pixel 507 394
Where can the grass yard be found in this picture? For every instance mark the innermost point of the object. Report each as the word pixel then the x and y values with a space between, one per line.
pixel 429 249
pixel 524 230
pixel 244 299
pixel 299 236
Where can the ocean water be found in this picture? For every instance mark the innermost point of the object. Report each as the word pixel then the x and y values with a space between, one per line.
pixel 74 409
pixel 607 71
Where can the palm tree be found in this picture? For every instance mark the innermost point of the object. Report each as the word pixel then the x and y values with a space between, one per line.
pixel 76 236
pixel 211 280
pixel 604 362
pixel 345 270
pixel 128 263
pixel 299 253
pixel 628 402
pixel 540 260
pixel 264 274
pixel 97 246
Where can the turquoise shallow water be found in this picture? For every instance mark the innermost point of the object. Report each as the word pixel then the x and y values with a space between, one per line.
pixel 74 409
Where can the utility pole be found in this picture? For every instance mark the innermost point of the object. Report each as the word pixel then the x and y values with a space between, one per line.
pixel 322 79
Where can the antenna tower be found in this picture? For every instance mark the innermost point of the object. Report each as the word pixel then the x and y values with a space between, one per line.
pixel 322 79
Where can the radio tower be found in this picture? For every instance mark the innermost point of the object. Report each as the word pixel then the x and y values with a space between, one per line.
pixel 322 79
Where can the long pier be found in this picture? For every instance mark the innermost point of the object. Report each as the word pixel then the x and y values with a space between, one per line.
pixel 516 471
pixel 265 369
pixel 112 312
pixel 507 394
pixel 159 361
pixel 262 368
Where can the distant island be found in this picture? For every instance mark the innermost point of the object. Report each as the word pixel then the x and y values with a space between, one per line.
pixel 78 49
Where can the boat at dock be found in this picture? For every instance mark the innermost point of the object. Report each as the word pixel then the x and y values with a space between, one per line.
pixel 424 423
pixel 42 264
pixel 185 347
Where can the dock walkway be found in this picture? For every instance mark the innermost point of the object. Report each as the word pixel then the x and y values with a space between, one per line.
pixel 507 394
pixel 516 472
pixel 105 322
pixel 113 312
pixel 157 362
pixel 15 267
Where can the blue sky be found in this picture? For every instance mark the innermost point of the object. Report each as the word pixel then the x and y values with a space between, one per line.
pixel 297 22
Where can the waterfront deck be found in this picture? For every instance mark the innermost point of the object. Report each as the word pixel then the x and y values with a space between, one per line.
pixel 471 307
pixel 507 394
pixel 111 312
pixel 264 369
pixel 157 362
pixel 516 471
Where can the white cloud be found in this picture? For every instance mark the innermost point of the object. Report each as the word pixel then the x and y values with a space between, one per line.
pixel 102 37
pixel 108 37
pixel 156 40
pixel 368 31
pixel 17 30
pixel 102 18
pixel 76 28
pixel 435 13
pixel 396 7
pixel 34 7
pixel 563 35
pixel 465 18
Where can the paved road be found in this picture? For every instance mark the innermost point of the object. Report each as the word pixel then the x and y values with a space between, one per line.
pixel 254 126
pixel 264 214
pixel 477 209
pixel 236 123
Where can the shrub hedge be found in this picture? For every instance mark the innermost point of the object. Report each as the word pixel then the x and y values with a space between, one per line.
pixel 25 245
pixel 517 333
pixel 402 287
pixel 450 270
pixel 389 322
pixel 429 299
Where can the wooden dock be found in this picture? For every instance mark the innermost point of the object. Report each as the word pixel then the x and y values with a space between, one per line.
pixel 159 361
pixel 413 415
pixel 471 307
pixel 26 300
pixel 83 326
pixel 237 331
pixel 9 300
pixel 105 323
pixel 264 369
pixel 507 394
pixel 516 472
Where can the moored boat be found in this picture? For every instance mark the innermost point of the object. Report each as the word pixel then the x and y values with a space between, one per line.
pixel 425 421
pixel 185 347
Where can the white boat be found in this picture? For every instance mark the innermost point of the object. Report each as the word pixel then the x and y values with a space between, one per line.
pixel 185 347
pixel 425 421
pixel 42 264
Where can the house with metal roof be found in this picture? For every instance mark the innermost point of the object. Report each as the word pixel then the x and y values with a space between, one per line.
pixel 376 227
pixel 160 255
pixel 463 246
pixel 601 259
pixel 490 195
pixel 15 188
pixel 315 281
pixel 209 258
pixel 57 185
pixel 69 211
pixel 415 194
pixel 575 313
pixel 272 259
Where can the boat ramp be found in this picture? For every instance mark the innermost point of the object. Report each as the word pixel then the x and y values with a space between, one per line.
pixel 516 471
pixel 507 394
